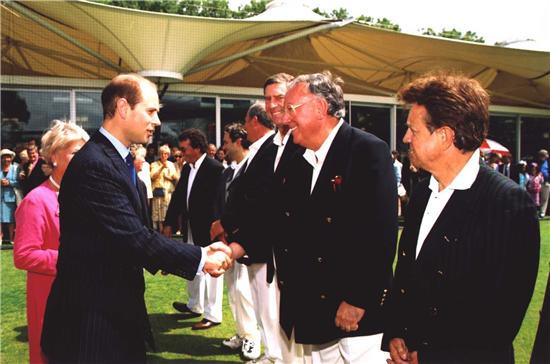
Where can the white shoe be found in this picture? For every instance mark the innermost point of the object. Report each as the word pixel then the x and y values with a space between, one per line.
pixel 251 350
pixel 261 360
pixel 234 343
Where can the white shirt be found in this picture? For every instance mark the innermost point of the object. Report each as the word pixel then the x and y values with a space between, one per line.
pixel 317 158
pixel 438 199
pixel 237 167
pixel 254 147
pixel 280 142
pixel 192 173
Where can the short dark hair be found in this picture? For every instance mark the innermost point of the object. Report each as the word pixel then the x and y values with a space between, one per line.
pixel 197 139
pixel 328 87
pixel 258 109
pixel 278 78
pixel 236 131
pixel 127 86
pixel 452 100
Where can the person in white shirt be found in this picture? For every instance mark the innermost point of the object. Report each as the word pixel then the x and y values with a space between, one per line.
pixel 469 251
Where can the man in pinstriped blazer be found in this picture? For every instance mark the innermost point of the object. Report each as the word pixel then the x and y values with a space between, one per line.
pixel 96 310
pixel 468 255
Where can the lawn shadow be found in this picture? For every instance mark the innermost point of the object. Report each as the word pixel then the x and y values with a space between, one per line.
pixel 195 345
pixel 157 359
pixel 22 334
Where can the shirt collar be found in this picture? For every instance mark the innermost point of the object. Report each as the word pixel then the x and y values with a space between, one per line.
pixel 198 163
pixel 258 143
pixel 318 157
pixel 280 140
pixel 120 148
pixel 464 179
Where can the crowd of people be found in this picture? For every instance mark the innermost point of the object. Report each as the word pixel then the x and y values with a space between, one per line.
pixel 297 211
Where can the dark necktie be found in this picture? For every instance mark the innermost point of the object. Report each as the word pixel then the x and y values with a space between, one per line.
pixel 131 169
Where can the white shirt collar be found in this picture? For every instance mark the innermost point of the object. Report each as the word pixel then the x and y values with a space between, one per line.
pixel 198 163
pixel 120 148
pixel 258 143
pixel 280 140
pixel 318 157
pixel 464 179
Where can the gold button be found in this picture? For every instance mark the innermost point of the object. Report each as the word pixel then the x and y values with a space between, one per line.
pixel 320 260
pixel 440 272
pixel 402 290
pixel 287 213
pixel 323 296
pixel 403 253
pixel 329 219
pixel 386 290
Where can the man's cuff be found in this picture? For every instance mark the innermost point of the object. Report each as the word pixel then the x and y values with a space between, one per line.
pixel 203 260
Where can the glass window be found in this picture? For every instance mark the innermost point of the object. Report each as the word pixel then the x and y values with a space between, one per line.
pixel 89 111
pixel 179 112
pixel 26 114
pixel 234 110
pixel 502 129
pixel 375 120
pixel 535 135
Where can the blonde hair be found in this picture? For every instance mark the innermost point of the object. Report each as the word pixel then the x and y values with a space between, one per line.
pixel 58 136
pixel 164 149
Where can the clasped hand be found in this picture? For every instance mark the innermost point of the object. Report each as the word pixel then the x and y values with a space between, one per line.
pixel 218 259
pixel 348 317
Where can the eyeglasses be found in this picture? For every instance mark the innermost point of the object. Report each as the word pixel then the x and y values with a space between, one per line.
pixel 290 109
pixel 178 156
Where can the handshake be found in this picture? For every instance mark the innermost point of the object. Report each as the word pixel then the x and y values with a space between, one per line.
pixel 221 254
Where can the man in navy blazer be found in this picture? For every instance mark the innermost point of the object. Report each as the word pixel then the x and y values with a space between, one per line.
pixel 96 310
pixel 469 252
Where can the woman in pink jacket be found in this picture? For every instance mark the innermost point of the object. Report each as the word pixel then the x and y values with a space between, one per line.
pixel 37 238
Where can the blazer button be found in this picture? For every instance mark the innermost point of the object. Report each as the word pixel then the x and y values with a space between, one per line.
pixel 440 273
pixel 433 311
pixel 287 213
pixel 322 296
pixel 446 239
pixel 329 219
pixel 282 283
pixel 403 253
pixel 285 250
pixel 402 290
pixel 320 260
pixel 425 343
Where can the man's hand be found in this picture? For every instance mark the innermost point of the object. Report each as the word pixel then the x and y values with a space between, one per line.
pixel 348 317
pixel 217 232
pixel 167 231
pixel 237 250
pixel 218 259
pixel 400 354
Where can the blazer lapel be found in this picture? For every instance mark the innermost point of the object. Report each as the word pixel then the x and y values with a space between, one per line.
pixel 120 167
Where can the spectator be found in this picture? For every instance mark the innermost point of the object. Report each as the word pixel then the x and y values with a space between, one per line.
pixel 163 173
pixel 220 157
pixel 143 170
pixel 151 154
pixel 180 162
pixel 534 183
pixel 401 191
pixel 211 150
pixel 545 188
pixel 522 175
pixel 9 184
pixel 505 167
pixel 37 241
pixel 33 172
pixel 494 161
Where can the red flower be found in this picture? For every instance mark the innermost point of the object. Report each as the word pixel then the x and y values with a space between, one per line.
pixel 336 183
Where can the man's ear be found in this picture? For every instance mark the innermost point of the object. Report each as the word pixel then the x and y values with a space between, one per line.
pixel 322 107
pixel 122 108
pixel 446 136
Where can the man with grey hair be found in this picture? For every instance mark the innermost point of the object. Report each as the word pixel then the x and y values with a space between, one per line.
pixel 334 268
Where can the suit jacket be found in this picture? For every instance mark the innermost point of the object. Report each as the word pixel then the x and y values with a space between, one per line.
pixel 463 299
pixel 338 242
pixel 248 210
pixel 34 178
pixel 201 211
pixel 96 310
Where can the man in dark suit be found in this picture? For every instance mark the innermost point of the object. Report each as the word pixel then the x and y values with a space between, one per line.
pixel 32 173
pixel 469 252
pixel 334 254
pixel 194 204
pixel 96 310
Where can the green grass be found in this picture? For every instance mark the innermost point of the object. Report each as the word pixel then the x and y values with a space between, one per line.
pixel 175 340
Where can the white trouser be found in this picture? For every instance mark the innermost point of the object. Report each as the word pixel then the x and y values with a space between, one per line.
pixel 206 296
pixel 240 302
pixel 349 350
pixel 544 197
pixel 266 305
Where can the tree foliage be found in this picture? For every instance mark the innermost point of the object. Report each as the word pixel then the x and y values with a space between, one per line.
pixel 342 13
pixel 454 34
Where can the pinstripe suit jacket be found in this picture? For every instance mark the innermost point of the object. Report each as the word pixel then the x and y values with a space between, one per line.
pixel 463 299
pixel 96 310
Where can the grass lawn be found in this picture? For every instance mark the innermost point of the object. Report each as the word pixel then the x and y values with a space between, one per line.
pixel 175 340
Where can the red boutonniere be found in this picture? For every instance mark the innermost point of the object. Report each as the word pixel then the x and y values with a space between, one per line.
pixel 336 183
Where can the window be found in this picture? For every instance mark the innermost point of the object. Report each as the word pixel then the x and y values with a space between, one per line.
pixel 375 120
